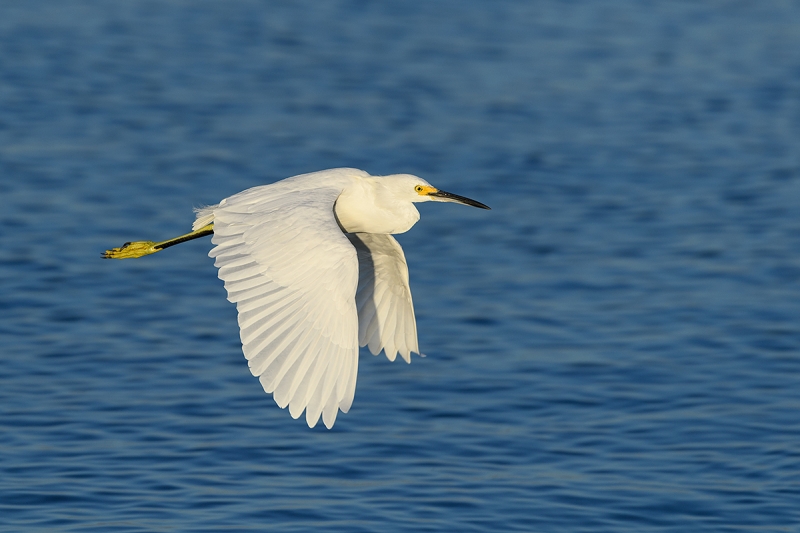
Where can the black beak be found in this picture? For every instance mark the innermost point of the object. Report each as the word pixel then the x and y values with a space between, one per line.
pixel 450 197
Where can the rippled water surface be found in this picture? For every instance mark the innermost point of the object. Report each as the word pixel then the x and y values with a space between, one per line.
pixel 614 347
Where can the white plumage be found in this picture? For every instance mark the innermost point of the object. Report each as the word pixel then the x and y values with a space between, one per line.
pixel 314 272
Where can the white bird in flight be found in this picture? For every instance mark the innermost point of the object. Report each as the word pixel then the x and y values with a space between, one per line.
pixel 315 273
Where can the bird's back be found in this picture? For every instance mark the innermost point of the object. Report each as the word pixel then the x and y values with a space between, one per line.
pixel 253 199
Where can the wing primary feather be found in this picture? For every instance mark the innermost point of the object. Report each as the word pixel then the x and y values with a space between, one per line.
pixel 253 324
pixel 373 337
pixel 259 304
pixel 253 289
pixel 331 377
pixel 296 351
pixel 365 318
pixel 231 275
pixel 314 391
pixel 306 362
pixel 260 353
pixel 330 410
pixel 230 271
pixel 276 360
pixel 231 261
pixel 350 389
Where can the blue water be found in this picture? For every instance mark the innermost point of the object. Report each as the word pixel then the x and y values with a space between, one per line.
pixel 614 347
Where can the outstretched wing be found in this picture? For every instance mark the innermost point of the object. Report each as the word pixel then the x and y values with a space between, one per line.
pixel 292 274
pixel 385 310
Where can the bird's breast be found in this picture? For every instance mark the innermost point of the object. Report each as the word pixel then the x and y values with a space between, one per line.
pixel 357 214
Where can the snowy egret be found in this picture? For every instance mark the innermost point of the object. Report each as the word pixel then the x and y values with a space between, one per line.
pixel 314 272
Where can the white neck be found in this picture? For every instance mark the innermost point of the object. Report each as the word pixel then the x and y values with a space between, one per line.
pixel 367 206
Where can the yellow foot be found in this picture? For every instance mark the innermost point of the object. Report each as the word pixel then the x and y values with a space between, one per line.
pixel 132 249
pixel 140 248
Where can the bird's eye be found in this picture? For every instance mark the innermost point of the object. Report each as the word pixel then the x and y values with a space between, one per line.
pixel 418 188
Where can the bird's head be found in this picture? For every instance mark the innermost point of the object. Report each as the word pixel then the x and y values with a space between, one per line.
pixel 415 189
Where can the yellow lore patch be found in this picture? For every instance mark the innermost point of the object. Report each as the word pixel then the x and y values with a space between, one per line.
pixel 425 190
